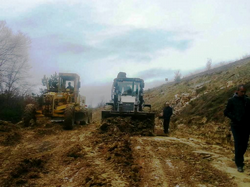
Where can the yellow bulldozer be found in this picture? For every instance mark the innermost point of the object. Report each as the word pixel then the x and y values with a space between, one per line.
pixel 61 101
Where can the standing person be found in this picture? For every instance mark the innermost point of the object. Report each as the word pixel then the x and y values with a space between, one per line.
pixel 238 110
pixel 167 113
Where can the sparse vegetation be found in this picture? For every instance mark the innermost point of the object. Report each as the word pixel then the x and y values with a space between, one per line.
pixel 177 77
pixel 209 64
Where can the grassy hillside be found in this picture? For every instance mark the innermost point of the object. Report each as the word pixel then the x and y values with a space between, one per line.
pixel 199 100
pixel 217 84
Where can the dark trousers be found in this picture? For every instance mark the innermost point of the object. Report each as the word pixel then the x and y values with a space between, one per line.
pixel 241 137
pixel 166 125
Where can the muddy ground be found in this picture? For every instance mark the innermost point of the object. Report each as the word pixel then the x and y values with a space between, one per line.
pixel 111 154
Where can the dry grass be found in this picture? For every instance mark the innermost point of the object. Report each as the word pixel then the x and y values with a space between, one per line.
pixel 213 81
pixel 207 108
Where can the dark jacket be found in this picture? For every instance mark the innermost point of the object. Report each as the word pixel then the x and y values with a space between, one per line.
pixel 167 112
pixel 238 110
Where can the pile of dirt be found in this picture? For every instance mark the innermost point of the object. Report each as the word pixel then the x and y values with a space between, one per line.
pixel 129 125
pixel 25 170
pixel 44 127
pixel 10 134
pixel 46 130
pixel 76 151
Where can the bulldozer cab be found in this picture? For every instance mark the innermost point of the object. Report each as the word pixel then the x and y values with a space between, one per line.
pixel 128 88
pixel 64 82
pixel 127 93
pixel 69 82
pixel 62 87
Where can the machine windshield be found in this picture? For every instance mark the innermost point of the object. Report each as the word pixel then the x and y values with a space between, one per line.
pixel 129 88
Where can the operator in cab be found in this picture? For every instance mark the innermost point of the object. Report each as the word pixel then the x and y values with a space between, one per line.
pixel 69 86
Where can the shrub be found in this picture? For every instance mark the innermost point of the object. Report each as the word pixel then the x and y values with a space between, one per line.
pixel 12 106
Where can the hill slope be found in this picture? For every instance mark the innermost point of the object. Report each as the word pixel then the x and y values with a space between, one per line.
pixel 214 81
pixel 199 100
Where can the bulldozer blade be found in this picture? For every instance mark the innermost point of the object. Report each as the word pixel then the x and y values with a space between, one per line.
pixel 134 115
pixel 137 123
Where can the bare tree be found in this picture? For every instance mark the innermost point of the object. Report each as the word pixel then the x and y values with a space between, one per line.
pixel 177 77
pixel 102 103
pixel 209 64
pixel 14 54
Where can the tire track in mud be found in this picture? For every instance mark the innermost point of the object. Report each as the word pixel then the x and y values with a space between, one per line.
pixel 152 173
pixel 92 168
pixel 167 161
pixel 221 158
pixel 69 158
pixel 97 172
pixel 50 156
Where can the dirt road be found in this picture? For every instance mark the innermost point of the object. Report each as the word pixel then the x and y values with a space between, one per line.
pixel 47 155
pixel 169 161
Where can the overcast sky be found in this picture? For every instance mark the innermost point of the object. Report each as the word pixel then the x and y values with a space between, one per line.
pixel 147 39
